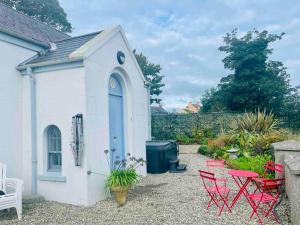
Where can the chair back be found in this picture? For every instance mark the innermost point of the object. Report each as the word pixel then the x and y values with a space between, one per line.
pixel 270 185
pixel 2 176
pixel 272 167
pixel 208 179
pixel 215 163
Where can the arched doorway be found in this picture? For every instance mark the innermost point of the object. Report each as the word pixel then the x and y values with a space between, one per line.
pixel 116 119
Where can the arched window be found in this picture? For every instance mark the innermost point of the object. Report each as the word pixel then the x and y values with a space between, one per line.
pixel 53 136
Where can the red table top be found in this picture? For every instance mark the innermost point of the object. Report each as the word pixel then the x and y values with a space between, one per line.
pixel 242 173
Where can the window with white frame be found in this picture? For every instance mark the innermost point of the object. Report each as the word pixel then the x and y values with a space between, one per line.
pixel 53 138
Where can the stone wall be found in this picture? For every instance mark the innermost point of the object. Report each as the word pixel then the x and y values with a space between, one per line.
pixel 288 154
pixel 292 178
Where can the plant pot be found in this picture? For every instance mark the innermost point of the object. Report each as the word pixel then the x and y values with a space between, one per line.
pixel 120 194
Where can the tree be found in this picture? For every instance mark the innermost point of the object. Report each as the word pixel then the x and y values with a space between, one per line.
pixel 46 11
pixel 256 81
pixel 152 75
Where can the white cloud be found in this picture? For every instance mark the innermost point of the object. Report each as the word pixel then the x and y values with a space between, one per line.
pixel 183 36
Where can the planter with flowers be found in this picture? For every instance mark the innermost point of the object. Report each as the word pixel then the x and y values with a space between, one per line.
pixel 123 176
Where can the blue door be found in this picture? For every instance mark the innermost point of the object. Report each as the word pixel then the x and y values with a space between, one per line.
pixel 116 120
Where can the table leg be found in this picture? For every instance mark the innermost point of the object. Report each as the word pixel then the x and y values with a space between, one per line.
pixel 242 187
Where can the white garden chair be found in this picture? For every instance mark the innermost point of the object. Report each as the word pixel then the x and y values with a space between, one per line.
pixel 12 188
pixel 2 176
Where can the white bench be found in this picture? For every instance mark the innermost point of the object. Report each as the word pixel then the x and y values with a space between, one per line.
pixel 12 188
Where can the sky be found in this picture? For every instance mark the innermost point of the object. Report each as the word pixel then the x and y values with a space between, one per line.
pixel 184 36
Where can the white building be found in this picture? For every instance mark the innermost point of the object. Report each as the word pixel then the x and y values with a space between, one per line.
pixel 48 77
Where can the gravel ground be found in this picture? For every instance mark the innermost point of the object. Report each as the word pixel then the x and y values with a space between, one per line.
pixel 159 199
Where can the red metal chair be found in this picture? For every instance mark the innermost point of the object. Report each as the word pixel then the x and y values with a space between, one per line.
pixel 217 166
pixel 270 167
pixel 218 194
pixel 269 194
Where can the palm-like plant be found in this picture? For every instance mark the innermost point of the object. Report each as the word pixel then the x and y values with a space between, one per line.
pixel 259 122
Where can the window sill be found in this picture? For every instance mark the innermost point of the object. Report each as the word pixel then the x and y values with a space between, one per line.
pixel 52 178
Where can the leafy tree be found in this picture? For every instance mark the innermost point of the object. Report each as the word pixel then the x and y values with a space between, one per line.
pixel 152 75
pixel 47 11
pixel 256 81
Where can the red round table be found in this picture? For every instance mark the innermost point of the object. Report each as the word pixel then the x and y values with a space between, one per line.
pixel 237 176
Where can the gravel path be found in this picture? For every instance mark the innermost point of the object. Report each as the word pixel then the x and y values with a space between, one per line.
pixel 159 199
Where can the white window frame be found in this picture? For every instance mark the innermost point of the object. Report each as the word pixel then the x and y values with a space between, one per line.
pixel 53 147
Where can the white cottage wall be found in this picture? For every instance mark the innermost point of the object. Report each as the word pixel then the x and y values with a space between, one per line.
pixel 11 144
pixel 61 95
pixel 98 68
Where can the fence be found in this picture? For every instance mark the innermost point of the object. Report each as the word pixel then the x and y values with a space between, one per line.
pixel 169 126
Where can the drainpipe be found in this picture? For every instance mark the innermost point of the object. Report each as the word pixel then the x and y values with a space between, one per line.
pixel 147 85
pixel 33 130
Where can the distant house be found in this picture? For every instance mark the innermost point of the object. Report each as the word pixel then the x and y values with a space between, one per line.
pixel 192 107
pixel 63 95
pixel 158 110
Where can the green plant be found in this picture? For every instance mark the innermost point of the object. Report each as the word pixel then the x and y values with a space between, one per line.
pixel 255 163
pixel 259 122
pixel 184 139
pixel 201 135
pixel 123 172
pixel 122 178
pixel 263 143
pixel 204 150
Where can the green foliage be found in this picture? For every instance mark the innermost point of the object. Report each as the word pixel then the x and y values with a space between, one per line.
pixel 255 80
pixel 122 178
pixel 213 151
pixel 255 163
pixel 152 75
pixel 204 150
pixel 123 171
pixel 46 11
pixel 197 126
pixel 259 122
pixel 184 139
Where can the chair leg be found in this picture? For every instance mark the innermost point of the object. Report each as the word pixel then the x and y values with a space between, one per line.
pixel 19 212
pixel 224 199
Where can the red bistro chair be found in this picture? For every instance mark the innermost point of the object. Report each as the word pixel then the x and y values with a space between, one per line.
pixel 217 165
pixel 218 194
pixel 270 167
pixel 269 194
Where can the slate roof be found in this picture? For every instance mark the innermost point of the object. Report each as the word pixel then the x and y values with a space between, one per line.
pixel 64 49
pixel 158 110
pixel 25 27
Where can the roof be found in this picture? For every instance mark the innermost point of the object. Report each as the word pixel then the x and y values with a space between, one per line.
pixel 158 110
pixel 27 28
pixel 63 49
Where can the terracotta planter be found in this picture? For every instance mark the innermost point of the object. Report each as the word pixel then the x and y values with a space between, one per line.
pixel 120 194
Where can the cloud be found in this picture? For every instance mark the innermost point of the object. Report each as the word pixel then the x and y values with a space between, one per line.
pixel 184 36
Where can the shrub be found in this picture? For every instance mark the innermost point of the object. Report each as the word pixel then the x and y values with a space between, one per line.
pixel 184 139
pixel 203 149
pixel 262 144
pixel 255 163
pixel 216 144
pixel 201 135
pixel 259 122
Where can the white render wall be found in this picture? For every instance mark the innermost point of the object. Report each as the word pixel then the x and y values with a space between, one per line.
pixel 98 68
pixel 61 95
pixel 11 140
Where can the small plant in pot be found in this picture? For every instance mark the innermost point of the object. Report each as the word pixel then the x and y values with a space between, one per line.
pixel 123 176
